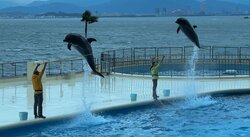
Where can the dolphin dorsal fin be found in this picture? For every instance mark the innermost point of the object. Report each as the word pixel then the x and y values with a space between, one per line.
pixel 69 46
pixel 194 26
pixel 91 40
pixel 178 29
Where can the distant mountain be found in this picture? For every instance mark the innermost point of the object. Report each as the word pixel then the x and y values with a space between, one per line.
pixel 38 3
pixel 37 8
pixel 246 2
pixel 80 3
pixel 145 6
pixel 150 6
pixel 130 6
pixel 216 6
pixel 4 4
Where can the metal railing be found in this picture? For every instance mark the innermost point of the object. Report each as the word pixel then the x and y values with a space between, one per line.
pixel 211 61
pixel 57 67
pixel 14 69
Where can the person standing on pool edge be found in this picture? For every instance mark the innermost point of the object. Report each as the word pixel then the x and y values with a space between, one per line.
pixel 38 91
pixel 154 72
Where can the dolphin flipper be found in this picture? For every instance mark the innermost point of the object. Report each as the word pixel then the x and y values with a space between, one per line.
pixel 69 46
pixel 194 26
pixel 178 29
pixel 91 40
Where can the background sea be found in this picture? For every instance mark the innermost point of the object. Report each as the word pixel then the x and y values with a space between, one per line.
pixel 42 39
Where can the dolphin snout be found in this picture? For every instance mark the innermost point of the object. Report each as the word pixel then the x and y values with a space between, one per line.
pixel 177 21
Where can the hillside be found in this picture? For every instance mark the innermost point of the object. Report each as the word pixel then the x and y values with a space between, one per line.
pixel 169 7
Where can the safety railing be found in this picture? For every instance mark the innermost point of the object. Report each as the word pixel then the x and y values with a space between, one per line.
pixel 56 67
pixel 14 69
pixel 210 61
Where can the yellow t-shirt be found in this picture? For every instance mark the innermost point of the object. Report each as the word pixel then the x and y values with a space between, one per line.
pixel 37 82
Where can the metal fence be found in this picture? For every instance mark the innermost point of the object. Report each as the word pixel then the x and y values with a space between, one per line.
pixel 57 67
pixel 210 61
pixel 13 69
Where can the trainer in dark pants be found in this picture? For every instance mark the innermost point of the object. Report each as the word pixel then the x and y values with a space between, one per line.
pixel 154 72
pixel 38 91
pixel 38 103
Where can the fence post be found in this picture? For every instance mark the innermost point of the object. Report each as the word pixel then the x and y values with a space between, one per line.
pixel 248 68
pixel 2 71
pixel 71 65
pixel 60 67
pixel 49 67
pixel 15 68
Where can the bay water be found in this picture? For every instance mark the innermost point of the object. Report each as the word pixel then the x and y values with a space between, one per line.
pixel 42 39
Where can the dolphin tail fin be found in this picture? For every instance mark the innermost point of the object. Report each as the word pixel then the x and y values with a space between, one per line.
pixel 197 44
pixel 91 40
pixel 203 47
pixel 69 46
pixel 178 29
pixel 98 73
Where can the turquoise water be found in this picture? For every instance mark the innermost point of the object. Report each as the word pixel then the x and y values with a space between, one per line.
pixel 31 39
pixel 194 117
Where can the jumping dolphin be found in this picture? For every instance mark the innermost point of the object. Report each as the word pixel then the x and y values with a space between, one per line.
pixel 83 46
pixel 188 30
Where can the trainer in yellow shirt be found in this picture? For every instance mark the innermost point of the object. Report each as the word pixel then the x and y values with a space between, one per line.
pixel 38 91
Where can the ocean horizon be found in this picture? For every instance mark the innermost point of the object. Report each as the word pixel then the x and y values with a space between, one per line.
pixel 42 39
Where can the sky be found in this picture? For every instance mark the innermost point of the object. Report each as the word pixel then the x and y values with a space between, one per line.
pixel 28 1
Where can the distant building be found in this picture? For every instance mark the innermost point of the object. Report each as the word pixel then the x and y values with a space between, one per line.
pixel 157 11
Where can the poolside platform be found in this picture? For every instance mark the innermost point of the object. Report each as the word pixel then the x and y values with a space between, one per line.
pixel 69 95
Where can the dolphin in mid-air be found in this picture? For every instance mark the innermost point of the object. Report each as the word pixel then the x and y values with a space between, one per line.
pixel 188 30
pixel 83 46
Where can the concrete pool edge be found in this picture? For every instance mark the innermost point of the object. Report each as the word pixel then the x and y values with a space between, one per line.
pixel 117 108
pixel 29 123
pixel 166 100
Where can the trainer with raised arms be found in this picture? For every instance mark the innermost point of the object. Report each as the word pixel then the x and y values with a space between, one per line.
pixel 38 91
pixel 154 72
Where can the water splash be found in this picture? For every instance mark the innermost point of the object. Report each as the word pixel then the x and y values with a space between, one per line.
pixel 196 102
pixel 192 63
pixel 88 119
pixel 86 68
pixel 192 100
pixel 190 88
pixel 85 79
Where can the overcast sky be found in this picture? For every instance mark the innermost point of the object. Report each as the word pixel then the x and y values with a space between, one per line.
pixel 28 1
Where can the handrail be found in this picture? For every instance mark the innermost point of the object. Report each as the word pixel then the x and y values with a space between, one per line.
pixel 129 60
pixel 112 60
pixel 55 67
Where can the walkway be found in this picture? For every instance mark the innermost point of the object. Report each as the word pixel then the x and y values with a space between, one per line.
pixel 66 96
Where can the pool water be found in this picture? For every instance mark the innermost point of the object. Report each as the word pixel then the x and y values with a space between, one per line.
pixel 227 116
